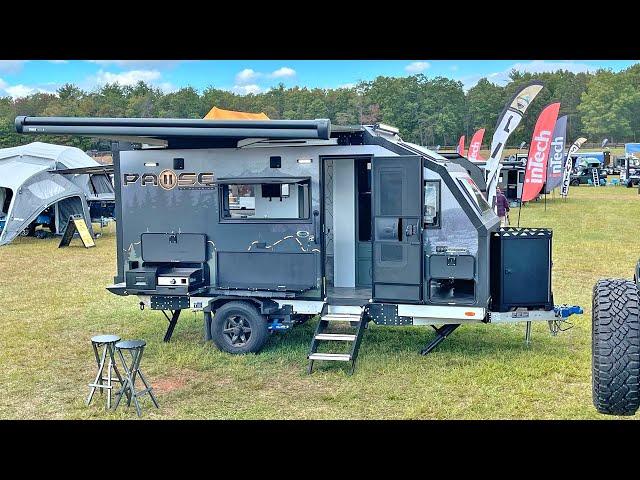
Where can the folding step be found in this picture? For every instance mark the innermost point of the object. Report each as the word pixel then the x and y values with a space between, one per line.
pixel 339 357
pixel 341 317
pixel 355 321
pixel 336 336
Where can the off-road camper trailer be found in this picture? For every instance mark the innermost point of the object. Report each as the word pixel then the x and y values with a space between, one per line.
pixel 349 223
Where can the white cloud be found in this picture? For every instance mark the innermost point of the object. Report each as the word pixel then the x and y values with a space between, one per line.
pixel 11 66
pixel 246 89
pixel 283 72
pixel 20 90
pixel 138 64
pixel 167 87
pixel 130 77
pixel 535 66
pixel 417 67
pixel 247 76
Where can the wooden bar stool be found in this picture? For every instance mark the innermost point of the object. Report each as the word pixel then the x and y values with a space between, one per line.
pixel 108 360
pixel 135 349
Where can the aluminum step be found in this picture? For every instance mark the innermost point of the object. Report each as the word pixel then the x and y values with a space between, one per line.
pixel 336 336
pixel 339 357
pixel 341 317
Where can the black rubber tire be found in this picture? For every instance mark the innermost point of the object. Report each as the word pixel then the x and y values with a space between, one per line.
pixel 257 322
pixel 30 231
pixel 615 347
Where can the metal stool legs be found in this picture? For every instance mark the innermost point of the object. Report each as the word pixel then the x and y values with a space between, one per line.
pixel 107 343
pixel 135 348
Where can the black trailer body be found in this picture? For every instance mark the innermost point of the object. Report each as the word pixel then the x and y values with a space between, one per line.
pixel 284 220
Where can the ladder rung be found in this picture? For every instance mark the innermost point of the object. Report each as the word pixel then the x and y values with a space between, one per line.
pixel 341 317
pixel 339 357
pixel 336 336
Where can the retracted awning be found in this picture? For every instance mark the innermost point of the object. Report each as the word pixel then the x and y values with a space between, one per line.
pixel 174 128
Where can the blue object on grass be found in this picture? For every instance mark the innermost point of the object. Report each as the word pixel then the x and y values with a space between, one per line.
pixel 566 311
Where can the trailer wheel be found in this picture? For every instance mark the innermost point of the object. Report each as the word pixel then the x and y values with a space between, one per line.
pixel 616 347
pixel 238 327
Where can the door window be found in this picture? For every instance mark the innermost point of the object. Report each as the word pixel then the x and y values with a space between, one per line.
pixel 431 203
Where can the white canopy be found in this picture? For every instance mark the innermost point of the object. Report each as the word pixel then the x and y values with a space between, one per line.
pixel 29 184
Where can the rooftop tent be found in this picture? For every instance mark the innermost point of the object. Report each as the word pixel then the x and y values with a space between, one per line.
pixel 219 114
pixel 29 183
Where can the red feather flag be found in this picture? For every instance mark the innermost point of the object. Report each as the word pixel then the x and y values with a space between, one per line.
pixel 460 149
pixel 475 145
pixel 536 173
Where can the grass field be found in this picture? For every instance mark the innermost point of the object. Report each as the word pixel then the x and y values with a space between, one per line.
pixel 54 300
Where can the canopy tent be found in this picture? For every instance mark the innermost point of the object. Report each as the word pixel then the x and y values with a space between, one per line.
pixel 631 148
pixel 30 183
pixel 219 114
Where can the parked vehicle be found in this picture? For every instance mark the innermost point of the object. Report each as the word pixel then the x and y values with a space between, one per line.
pixel 349 223
pixel 583 173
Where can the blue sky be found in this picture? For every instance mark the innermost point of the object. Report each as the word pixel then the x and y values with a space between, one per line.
pixel 19 78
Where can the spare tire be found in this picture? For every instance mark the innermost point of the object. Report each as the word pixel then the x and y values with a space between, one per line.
pixel 616 347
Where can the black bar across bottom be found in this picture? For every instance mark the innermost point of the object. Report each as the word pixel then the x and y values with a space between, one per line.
pixel 441 334
pixel 175 314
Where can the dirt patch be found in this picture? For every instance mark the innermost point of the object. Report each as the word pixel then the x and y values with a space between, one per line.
pixel 172 382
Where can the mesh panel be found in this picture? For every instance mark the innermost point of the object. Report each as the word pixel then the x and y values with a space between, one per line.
pixel 390 199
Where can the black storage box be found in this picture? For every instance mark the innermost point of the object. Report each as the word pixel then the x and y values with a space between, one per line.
pixel 142 278
pixel 521 268
pixel 164 280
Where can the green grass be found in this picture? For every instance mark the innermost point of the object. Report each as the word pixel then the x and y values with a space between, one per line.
pixel 54 300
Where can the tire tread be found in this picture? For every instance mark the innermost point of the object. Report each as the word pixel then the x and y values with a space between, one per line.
pixel 616 347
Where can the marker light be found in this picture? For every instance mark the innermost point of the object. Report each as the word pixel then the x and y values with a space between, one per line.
pixel 305 160
pixel 150 164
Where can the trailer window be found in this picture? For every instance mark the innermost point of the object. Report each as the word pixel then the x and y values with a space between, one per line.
pixel 431 203
pixel 276 200
pixel 474 194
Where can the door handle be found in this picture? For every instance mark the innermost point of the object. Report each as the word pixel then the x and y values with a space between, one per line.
pixel 316 229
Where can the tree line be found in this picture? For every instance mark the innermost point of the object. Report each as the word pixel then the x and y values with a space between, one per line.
pixel 428 111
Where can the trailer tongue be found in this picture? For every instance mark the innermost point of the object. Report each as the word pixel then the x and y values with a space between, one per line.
pixel 262 225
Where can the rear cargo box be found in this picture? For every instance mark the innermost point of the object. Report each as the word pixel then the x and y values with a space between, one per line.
pixel 521 268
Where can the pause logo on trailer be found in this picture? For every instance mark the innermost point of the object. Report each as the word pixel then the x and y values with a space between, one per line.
pixel 167 179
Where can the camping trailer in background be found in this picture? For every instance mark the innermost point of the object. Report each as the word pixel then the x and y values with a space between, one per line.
pixel 44 184
pixel 349 223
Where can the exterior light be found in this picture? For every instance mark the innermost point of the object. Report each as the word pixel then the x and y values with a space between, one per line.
pixel 305 160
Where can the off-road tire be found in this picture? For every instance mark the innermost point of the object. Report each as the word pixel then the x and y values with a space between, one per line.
pixel 615 347
pixel 251 315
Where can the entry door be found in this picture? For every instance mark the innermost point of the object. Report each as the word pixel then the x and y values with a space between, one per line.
pixel 512 184
pixel 397 228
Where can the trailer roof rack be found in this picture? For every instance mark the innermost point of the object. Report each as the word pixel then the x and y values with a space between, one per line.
pixel 138 129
